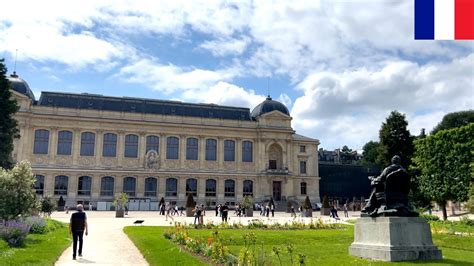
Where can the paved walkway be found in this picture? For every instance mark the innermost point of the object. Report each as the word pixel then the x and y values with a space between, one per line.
pixel 107 244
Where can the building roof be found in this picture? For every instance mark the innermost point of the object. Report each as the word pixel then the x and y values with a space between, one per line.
pixel 301 137
pixel 19 85
pixel 268 106
pixel 139 105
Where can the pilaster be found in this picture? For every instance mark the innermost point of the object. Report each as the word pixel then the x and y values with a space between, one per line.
pixel 141 148
pixel 76 145
pixel 99 146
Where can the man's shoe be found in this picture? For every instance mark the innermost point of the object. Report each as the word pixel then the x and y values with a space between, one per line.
pixel 74 257
pixel 80 255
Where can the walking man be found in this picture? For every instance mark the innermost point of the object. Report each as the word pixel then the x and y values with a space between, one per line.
pixel 77 227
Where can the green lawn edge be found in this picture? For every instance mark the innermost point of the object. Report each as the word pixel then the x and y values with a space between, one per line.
pixel 156 249
pixel 39 249
pixel 321 247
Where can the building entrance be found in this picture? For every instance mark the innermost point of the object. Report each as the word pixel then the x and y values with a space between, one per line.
pixel 277 190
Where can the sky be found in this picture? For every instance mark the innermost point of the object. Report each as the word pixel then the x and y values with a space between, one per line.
pixel 340 66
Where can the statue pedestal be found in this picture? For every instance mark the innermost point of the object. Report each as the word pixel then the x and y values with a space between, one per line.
pixel 394 239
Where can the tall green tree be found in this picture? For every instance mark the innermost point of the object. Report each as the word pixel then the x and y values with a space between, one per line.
pixel 347 155
pixel 370 153
pixel 8 125
pixel 395 139
pixel 444 160
pixel 453 120
pixel 17 195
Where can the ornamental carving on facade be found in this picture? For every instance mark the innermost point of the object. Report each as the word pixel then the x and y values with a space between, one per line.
pixel 152 160
pixel 64 160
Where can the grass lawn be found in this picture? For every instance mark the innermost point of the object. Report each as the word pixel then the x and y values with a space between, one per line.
pixel 321 247
pixel 39 249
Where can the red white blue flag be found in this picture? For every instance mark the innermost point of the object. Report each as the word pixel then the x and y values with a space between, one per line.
pixel 444 19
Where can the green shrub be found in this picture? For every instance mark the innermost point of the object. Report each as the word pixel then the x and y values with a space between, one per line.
pixel 37 224
pixel 430 217
pixel 52 225
pixel 3 246
pixel 14 232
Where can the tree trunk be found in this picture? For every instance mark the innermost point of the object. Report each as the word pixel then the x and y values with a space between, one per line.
pixel 445 214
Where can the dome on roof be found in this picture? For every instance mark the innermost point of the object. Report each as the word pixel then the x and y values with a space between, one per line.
pixel 19 85
pixel 268 106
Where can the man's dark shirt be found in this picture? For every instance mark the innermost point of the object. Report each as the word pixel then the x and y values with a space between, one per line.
pixel 78 220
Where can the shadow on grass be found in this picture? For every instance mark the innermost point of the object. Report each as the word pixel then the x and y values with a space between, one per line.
pixel 443 261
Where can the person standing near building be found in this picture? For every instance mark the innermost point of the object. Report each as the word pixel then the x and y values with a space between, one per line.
pixel 77 227
pixel 225 212
pixel 346 212
pixel 272 209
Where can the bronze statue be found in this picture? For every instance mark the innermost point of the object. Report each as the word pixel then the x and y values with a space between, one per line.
pixel 390 190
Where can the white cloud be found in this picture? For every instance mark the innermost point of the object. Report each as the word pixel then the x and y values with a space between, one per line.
pixel 170 78
pixel 226 47
pixel 349 107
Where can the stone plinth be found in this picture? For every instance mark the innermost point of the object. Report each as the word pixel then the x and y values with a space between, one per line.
pixel 394 239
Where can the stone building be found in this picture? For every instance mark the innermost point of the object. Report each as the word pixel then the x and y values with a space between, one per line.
pixel 88 148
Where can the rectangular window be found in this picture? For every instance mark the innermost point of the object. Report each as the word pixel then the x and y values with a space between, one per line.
pixel 302 148
pixel 192 149
pixel 172 148
pixel 302 167
pixel 152 143
pixel 41 141
pixel 303 188
pixel 64 143
pixel 247 151
pixel 110 145
pixel 229 150
pixel 87 144
pixel 211 150
pixel 131 146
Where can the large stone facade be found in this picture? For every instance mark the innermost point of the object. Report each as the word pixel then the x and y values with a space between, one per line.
pixel 278 162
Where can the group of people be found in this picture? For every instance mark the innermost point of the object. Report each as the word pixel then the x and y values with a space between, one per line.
pixel 223 211
pixel 265 209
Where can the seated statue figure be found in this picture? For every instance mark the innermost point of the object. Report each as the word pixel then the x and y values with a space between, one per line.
pixel 390 190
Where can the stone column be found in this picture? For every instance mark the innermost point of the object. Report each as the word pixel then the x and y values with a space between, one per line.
pixel 53 144
pixel 142 149
pixel 162 150
pixel 182 151
pixel 161 187
pixel 239 188
pixel 238 158
pixel 99 146
pixel 140 186
pixel 202 152
pixel 220 152
pixel 201 188
pixel 120 147
pixel 76 145
pixel 72 186
pixel 95 189
pixel 49 184
pixel 118 186
pixel 220 189
pixel 181 188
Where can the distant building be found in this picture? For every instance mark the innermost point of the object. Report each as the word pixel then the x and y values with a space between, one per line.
pixel 89 148
pixel 337 156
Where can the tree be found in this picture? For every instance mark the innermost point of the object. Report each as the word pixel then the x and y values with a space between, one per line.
pixel 48 205
pixel 347 155
pixel 443 160
pixel 370 153
pixel 8 125
pixel 454 120
pixel 17 193
pixel 395 139
pixel 190 203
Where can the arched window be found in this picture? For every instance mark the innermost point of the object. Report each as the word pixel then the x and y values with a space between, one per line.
pixel 64 143
pixel 211 186
pixel 39 184
pixel 60 185
pixel 150 187
pixel 87 144
pixel 247 151
pixel 172 148
pixel 110 145
pixel 229 188
pixel 248 188
pixel 303 188
pixel 171 187
pixel 84 186
pixel 191 186
pixel 107 186
pixel 131 146
pixel 211 150
pixel 153 143
pixel 129 186
pixel 192 149
pixel 41 141
pixel 229 150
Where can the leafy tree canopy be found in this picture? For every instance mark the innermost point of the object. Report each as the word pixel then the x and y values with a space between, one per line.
pixel 8 125
pixel 444 160
pixel 395 139
pixel 370 153
pixel 17 195
pixel 454 120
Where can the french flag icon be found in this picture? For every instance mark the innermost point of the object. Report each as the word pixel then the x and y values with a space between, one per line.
pixel 444 19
